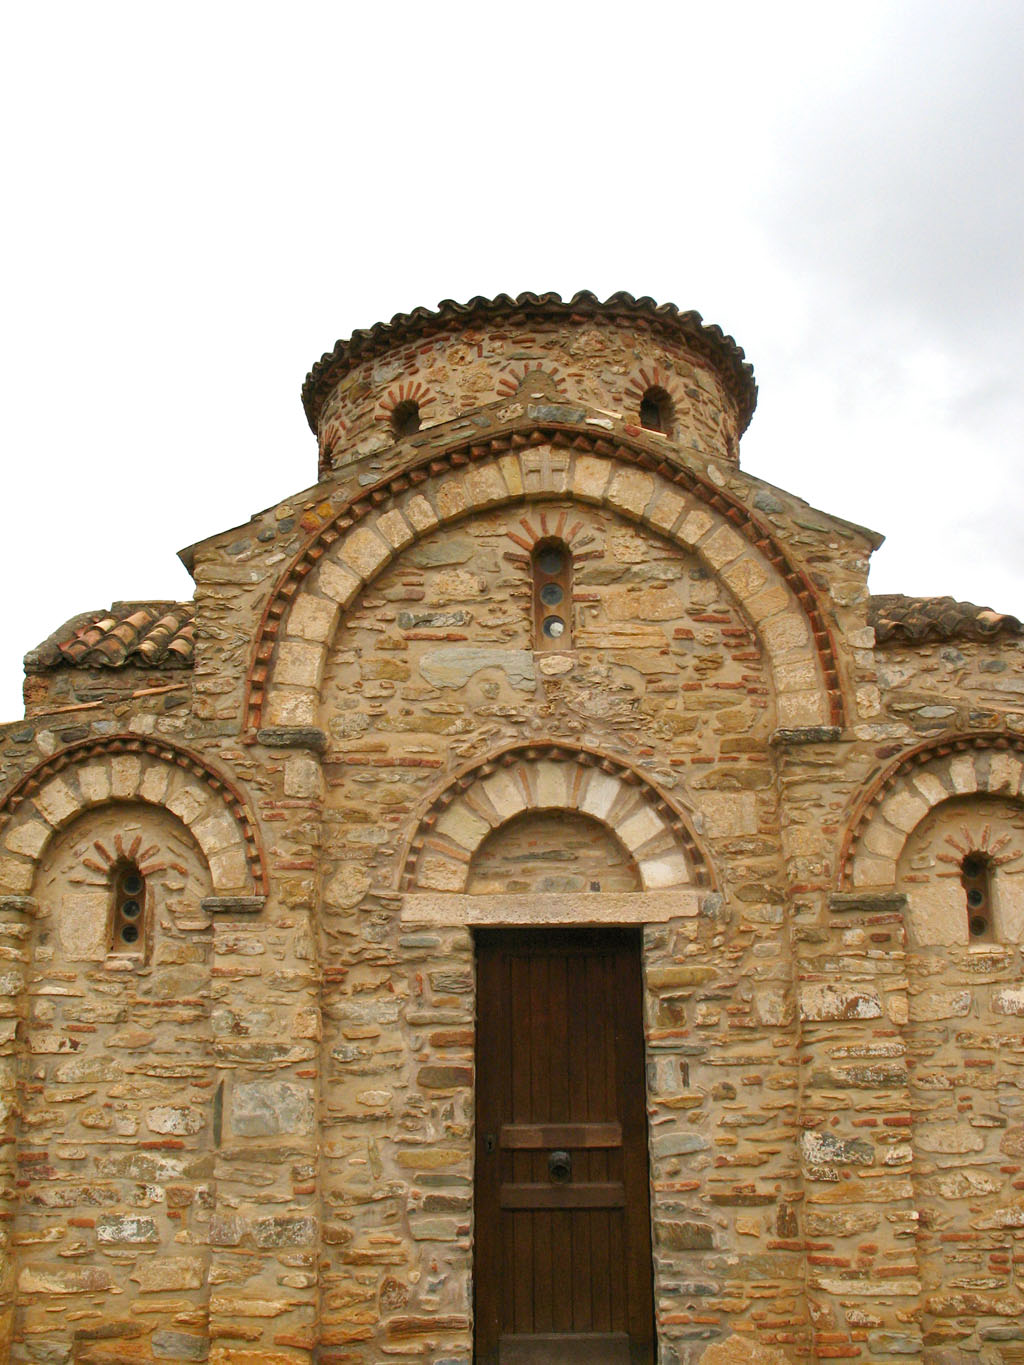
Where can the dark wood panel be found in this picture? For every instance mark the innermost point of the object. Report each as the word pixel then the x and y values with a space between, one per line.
pixel 551 1135
pixel 537 1196
pixel 582 1348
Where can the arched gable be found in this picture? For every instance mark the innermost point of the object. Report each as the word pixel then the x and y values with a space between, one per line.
pixel 536 777
pixel 348 553
pixel 128 768
pixel 901 797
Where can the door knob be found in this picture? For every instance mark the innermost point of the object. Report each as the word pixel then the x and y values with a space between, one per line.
pixel 560 1166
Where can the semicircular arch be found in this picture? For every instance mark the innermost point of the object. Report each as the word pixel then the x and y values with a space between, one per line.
pixel 908 789
pixel 128 768
pixel 521 779
pixel 349 552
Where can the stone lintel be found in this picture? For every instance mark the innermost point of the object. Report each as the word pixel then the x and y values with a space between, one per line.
pixel 233 905
pixel 806 734
pixel 19 905
pixel 583 908
pixel 872 902
pixel 292 737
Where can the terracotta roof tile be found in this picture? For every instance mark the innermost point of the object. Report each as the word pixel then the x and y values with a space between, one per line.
pixel 449 316
pixel 920 619
pixel 143 634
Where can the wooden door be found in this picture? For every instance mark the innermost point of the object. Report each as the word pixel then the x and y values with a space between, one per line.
pixel 562 1266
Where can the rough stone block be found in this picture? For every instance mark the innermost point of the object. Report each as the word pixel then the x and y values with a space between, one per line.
pixel 630 490
pixel 590 477
pixel 419 514
pixel 696 525
pixel 364 552
pixel 313 618
pixel 722 547
pixel 290 706
pixel 56 802
pixel 299 664
pixel 599 794
pixel 29 837
pixel 485 486
pixel 94 782
pixel 337 582
pixel 395 529
pixel 269 1108
pixel 642 826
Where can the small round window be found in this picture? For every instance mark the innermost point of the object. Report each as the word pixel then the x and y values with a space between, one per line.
pixel 129 909
pixel 552 595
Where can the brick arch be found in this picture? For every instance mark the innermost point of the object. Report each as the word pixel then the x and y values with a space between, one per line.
pixel 901 796
pixel 124 768
pixel 353 547
pixel 484 796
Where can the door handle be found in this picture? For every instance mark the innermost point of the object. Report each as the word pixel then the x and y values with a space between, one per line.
pixel 560 1167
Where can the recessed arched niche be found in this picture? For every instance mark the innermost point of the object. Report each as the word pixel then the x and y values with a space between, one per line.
pixel 551 852
pixel 962 847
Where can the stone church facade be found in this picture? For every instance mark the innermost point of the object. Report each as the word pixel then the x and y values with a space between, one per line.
pixel 534 904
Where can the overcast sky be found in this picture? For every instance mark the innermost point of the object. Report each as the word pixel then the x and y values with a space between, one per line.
pixel 201 198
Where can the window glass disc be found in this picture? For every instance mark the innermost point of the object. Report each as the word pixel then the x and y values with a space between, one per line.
pixel 132 883
pixel 979 924
pixel 551 594
pixel 553 627
pixel 130 909
pixel 974 898
pixel 551 560
pixel 130 933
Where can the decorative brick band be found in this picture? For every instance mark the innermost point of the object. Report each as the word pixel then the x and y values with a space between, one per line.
pixel 899 800
pixel 547 776
pixel 230 841
pixel 387 531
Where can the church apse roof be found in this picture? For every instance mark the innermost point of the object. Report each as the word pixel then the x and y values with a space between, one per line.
pixel 129 634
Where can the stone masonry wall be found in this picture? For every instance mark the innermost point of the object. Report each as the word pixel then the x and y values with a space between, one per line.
pixel 253 1143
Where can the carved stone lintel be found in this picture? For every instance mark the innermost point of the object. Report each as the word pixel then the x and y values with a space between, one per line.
pixel 233 905
pixel 292 737
pixel 806 734
pixel 19 905
pixel 871 902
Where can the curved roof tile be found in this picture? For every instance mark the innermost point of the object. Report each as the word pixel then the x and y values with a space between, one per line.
pixel 142 634
pixel 449 316
pixel 920 619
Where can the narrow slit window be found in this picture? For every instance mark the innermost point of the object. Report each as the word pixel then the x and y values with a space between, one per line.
pixel 656 411
pixel 128 927
pixel 405 419
pixel 976 879
pixel 552 595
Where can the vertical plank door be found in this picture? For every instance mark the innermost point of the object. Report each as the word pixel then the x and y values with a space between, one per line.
pixel 562 1264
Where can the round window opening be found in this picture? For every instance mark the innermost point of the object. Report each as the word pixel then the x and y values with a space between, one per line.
pixel 130 933
pixel 554 627
pixel 551 594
